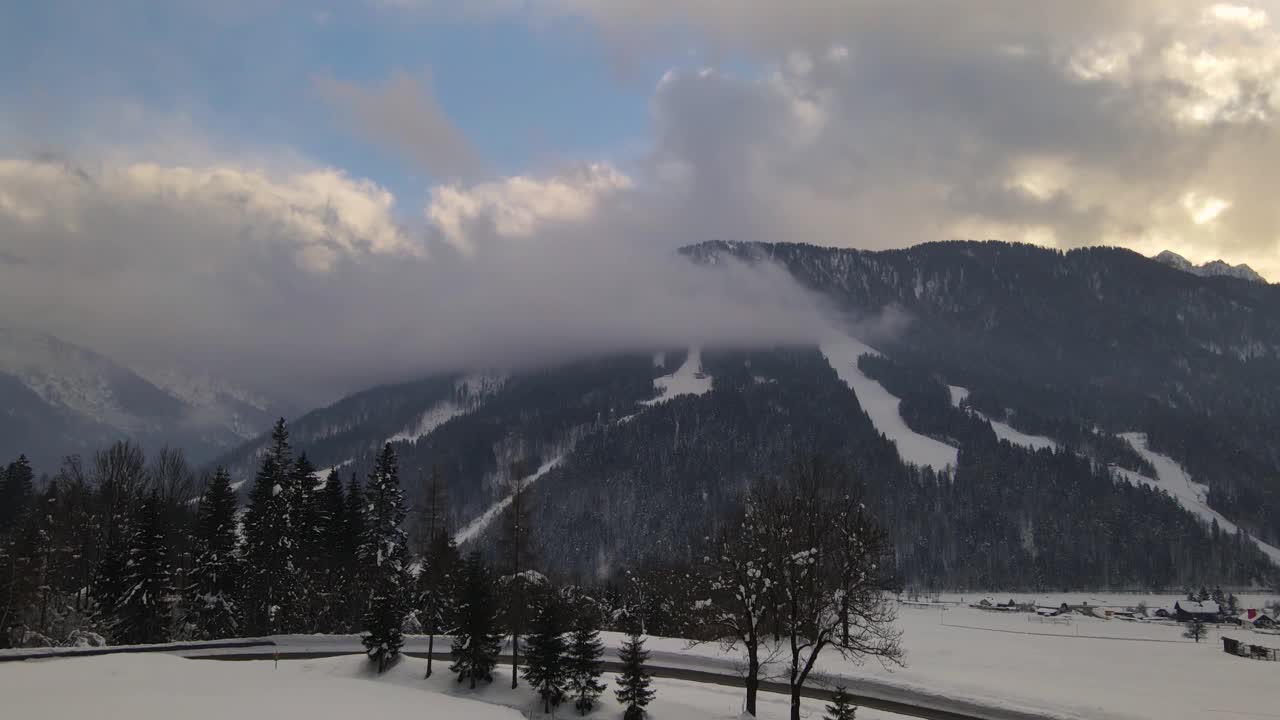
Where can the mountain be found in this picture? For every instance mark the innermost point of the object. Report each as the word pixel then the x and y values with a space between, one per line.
pixel 1216 268
pixel 1027 419
pixel 60 398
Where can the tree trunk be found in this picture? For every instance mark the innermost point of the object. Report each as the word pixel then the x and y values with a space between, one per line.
pixel 515 658
pixel 795 702
pixel 753 678
pixel 431 646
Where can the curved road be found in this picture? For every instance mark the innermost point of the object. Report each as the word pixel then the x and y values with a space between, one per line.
pixel 871 694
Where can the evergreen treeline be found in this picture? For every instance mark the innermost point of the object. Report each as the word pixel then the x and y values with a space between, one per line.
pixel 132 553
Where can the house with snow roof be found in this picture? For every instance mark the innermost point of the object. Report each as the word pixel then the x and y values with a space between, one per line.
pixel 1202 610
pixel 1257 619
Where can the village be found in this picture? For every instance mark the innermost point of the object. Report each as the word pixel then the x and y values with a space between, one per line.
pixel 1257 636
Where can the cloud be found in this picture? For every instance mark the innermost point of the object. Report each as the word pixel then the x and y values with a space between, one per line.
pixel 304 281
pixel 882 124
pixel 403 116
pixel 516 206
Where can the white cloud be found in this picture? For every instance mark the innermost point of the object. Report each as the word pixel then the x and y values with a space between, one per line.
pixel 1203 208
pixel 1248 17
pixel 319 214
pixel 515 207
pixel 304 281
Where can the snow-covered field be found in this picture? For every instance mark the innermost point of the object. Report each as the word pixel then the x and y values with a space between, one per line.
pixel 1084 668
pixel 154 687
pixel 689 379
pixel 882 407
pixel 1087 669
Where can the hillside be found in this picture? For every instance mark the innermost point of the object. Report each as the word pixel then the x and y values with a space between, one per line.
pixel 58 398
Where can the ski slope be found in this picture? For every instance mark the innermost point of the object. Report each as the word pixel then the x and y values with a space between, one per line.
pixel 689 379
pixel 433 418
pixel 913 447
pixel 1173 479
pixel 1004 431
pixel 473 529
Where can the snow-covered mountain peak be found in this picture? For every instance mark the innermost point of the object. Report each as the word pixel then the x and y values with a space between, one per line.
pixel 1215 268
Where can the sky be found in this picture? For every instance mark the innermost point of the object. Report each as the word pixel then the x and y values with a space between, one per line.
pixel 323 194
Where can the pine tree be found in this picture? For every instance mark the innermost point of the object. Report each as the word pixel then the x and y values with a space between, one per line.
pixel 585 651
pixel 145 609
pixel 271 588
pixel 546 666
pixel 385 555
pixel 355 586
pixel 212 591
pixel 25 570
pixel 302 503
pixel 437 588
pixel 15 492
pixel 332 563
pixel 841 707
pixel 633 691
pixel 476 636
pixel 1195 630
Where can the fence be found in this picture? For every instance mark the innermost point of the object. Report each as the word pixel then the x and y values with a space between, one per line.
pixel 1234 647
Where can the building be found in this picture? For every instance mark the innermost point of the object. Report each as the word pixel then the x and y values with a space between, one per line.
pixel 1257 619
pixel 1188 610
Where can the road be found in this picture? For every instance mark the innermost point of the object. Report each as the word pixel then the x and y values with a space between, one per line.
pixel 670 665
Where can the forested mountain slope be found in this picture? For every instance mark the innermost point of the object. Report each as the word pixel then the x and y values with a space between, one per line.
pixel 1092 337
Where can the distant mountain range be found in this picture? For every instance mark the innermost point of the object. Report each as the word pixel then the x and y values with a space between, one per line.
pixel 1028 418
pixel 58 398
pixel 1216 268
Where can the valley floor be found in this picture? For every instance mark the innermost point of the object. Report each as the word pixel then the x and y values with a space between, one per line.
pixel 1078 667
pixel 162 686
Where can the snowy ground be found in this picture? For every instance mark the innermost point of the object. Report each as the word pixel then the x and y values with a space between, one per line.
pixel 1173 479
pixel 1083 668
pixel 689 379
pixel 473 529
pixel 1004 431
pixel 147 687
pixel 882 407
pixel 433 418
pixel 1094 669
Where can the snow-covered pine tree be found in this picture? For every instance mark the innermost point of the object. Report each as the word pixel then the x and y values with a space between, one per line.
pixel 633 691
pixel 546 665
pixel 302 509
pixel 583 659
pixel 841 707
pixel 355 587
pixel 476 636
pixel 271 595
pixel 437 588
pixel 384 554
pixel 146 607
pixel 332 564
pixel 15 492
pixel 212 591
